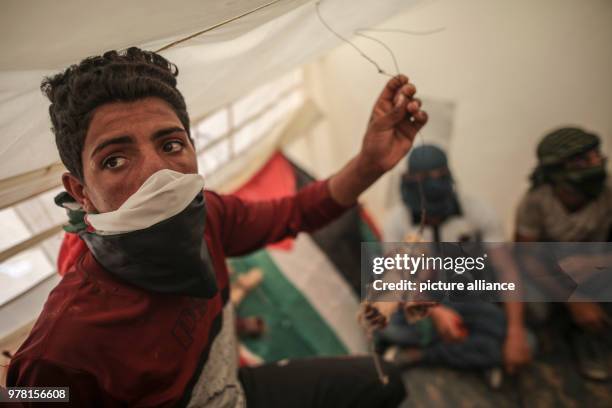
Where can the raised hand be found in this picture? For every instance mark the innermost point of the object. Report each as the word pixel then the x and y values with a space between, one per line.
pixel 395 121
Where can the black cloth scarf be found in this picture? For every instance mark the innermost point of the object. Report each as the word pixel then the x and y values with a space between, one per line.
pixel 169 257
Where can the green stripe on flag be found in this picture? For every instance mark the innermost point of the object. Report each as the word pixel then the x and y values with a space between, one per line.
pixel 294 328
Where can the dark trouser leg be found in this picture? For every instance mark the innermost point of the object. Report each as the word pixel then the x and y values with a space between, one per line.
pixel 486 324
pixel 322 382
pixel 475 352
pixel 401 333
pixel 591 350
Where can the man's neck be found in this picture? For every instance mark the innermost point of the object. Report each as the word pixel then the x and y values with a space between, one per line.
pixel 434 221
pixel 572 200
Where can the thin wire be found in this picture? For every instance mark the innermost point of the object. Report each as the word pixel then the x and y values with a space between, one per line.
pixel 397 30
pixel 382 376
pixel 359 32
pixel 380 70
pixel 422 199
pixel 397 70
pixel 344 39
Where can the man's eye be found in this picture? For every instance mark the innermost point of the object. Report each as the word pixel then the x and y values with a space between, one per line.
pixel 113 162
pixel 173 146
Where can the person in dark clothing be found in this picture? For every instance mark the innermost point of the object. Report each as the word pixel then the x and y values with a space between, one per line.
pixel 461 335
pixel 570 200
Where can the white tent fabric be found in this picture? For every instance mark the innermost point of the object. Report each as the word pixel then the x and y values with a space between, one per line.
pixel 262 40
pixel 215 67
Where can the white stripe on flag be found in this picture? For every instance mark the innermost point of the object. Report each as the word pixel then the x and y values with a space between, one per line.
pixel 309 270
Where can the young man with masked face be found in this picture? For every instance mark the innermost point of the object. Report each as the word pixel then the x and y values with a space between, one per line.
pixel 466 334
pixel 143 319
pixel 570 200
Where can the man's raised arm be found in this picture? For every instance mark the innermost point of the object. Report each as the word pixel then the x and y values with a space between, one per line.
pixel 396 119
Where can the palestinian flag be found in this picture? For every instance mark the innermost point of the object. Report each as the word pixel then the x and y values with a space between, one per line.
pixel 309 295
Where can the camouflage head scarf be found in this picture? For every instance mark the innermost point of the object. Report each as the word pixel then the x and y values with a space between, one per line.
pixel 556 149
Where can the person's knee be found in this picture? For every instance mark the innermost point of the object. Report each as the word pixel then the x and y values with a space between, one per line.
pixel 475 352
pixel 368 389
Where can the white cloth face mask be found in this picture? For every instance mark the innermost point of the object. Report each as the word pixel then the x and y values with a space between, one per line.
pixel 163 195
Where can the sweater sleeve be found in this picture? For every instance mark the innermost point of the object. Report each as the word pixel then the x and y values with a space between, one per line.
pixel 247 226
pixel 529 217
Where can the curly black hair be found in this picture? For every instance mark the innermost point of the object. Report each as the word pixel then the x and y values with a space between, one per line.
pixel 112 77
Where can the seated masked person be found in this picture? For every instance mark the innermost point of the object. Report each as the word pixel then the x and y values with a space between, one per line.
pixel 470 334
pixel 143 319
pixel 570 200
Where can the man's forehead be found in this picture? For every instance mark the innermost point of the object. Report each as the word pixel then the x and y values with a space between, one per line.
pixel 117 118
pixel 124 113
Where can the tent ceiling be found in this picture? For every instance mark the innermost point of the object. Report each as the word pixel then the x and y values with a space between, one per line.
pixel 51 35
pixel 215 68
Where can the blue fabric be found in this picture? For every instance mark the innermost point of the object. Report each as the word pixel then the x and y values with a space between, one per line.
pixel 486 324
pixel 436 196
pixel 426 158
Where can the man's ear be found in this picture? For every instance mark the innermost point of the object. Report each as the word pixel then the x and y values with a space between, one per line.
pixel 75 188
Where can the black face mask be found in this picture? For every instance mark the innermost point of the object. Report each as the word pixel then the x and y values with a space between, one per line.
pixel 590 181
pixel 439 195
pixel 169 257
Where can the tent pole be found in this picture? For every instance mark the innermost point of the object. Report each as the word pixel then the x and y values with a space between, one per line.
pixel 172 44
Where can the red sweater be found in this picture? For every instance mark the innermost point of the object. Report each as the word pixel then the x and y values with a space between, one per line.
pixel 115 344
